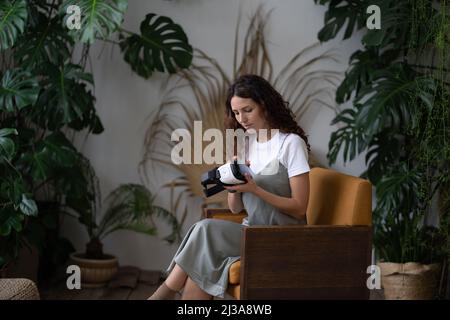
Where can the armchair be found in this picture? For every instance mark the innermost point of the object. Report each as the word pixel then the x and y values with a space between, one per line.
pixel 325 259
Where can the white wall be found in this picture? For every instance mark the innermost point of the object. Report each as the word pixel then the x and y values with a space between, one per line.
pixel 124 100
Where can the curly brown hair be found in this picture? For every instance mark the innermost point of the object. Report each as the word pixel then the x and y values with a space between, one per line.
pixel 277 111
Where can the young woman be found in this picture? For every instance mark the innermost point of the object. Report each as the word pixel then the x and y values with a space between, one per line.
pixel 277 194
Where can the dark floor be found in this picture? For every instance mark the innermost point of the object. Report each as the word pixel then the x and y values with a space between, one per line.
pixel 130 283
pixel 376 294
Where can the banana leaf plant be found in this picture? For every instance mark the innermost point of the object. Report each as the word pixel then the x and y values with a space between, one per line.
pixel 47 97
pixel 398 87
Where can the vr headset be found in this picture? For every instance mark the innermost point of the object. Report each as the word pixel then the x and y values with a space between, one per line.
pixel 228 174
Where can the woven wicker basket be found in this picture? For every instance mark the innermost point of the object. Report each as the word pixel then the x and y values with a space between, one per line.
pixel 18 289
pixel 409 281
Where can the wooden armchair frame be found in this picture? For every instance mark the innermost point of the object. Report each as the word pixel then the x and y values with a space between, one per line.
pixel 302 261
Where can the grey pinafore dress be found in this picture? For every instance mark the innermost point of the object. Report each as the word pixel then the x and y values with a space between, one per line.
pixel 212 245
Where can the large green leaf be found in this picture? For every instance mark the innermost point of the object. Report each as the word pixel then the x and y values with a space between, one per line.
pixel 404 21
pixel 395 24
pixel 349 136
pixel 66 100
pixel 51 155
pixel 396 27
pixel 80 185
pixel 13 17
pixel 339 12
pixel 45 41
pixel 6 144
pixel 398 188
pixel 162 45
pixel 18 89
pixel 12 188
pixel 363 65
pixel 28 206
pixel 393 99
pixel 99 18
pixel 12 222
pixel 384 151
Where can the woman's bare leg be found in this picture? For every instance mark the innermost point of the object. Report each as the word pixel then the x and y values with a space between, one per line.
pixel 173 284
pixel 193 292
pixel 176 278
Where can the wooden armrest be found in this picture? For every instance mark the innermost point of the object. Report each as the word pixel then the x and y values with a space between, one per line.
pixel 305 262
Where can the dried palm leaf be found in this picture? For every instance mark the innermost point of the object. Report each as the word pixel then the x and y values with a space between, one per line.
pixel 206 83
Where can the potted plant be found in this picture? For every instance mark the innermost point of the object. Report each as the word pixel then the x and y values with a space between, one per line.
pixel 129 207
pixel 400 89
pixel 411 262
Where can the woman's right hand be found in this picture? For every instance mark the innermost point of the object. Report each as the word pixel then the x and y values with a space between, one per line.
pixel 247 162
pixel 235 198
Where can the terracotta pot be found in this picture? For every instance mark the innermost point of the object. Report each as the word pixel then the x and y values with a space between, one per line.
pixel 95 272
pixel 409 281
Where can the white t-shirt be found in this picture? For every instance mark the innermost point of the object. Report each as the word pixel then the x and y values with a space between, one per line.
pixel 289 149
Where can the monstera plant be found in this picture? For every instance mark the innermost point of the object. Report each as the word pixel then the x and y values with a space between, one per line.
pixel 46 96
pixel 399 89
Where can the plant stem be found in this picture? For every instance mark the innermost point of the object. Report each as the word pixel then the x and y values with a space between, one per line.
pixel 109 41
pixel 40 185
pixel 126 31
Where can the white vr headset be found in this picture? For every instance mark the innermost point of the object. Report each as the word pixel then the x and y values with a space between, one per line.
pixel 228 174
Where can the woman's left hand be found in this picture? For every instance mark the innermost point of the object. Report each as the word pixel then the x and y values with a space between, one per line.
pixel 250 186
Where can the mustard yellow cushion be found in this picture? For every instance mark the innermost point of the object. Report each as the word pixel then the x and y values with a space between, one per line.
pixel 234 274
pixel 338 199
pixel 230 217
pixel 234 291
